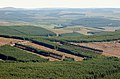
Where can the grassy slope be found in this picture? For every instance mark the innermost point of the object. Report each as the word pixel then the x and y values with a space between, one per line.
pixel 25 30
pixel 18 54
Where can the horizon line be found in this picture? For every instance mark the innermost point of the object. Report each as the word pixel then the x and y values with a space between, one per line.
pixel 61 7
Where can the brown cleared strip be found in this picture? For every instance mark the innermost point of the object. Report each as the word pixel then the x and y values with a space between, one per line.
pixel 76 58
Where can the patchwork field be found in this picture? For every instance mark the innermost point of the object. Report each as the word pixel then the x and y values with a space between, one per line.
pixel 70 29
pixel 83 30
pixel 10 41
pixel 98 66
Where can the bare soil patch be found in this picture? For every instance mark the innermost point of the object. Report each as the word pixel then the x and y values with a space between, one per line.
pixel 109 48
pixel 77 58
pixel 4 41
pixel 60 31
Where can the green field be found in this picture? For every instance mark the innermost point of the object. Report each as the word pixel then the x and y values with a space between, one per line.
pixel 25 30
pixel 71 34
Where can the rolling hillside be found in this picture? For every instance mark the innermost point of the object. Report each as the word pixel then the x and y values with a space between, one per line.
pixel 59 43
pixel 25 30
pixel 15 54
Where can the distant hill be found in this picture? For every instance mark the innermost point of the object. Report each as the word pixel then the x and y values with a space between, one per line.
pixel 11 8
pixel 61 16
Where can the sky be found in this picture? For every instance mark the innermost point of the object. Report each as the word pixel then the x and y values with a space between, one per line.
pixel 60 3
